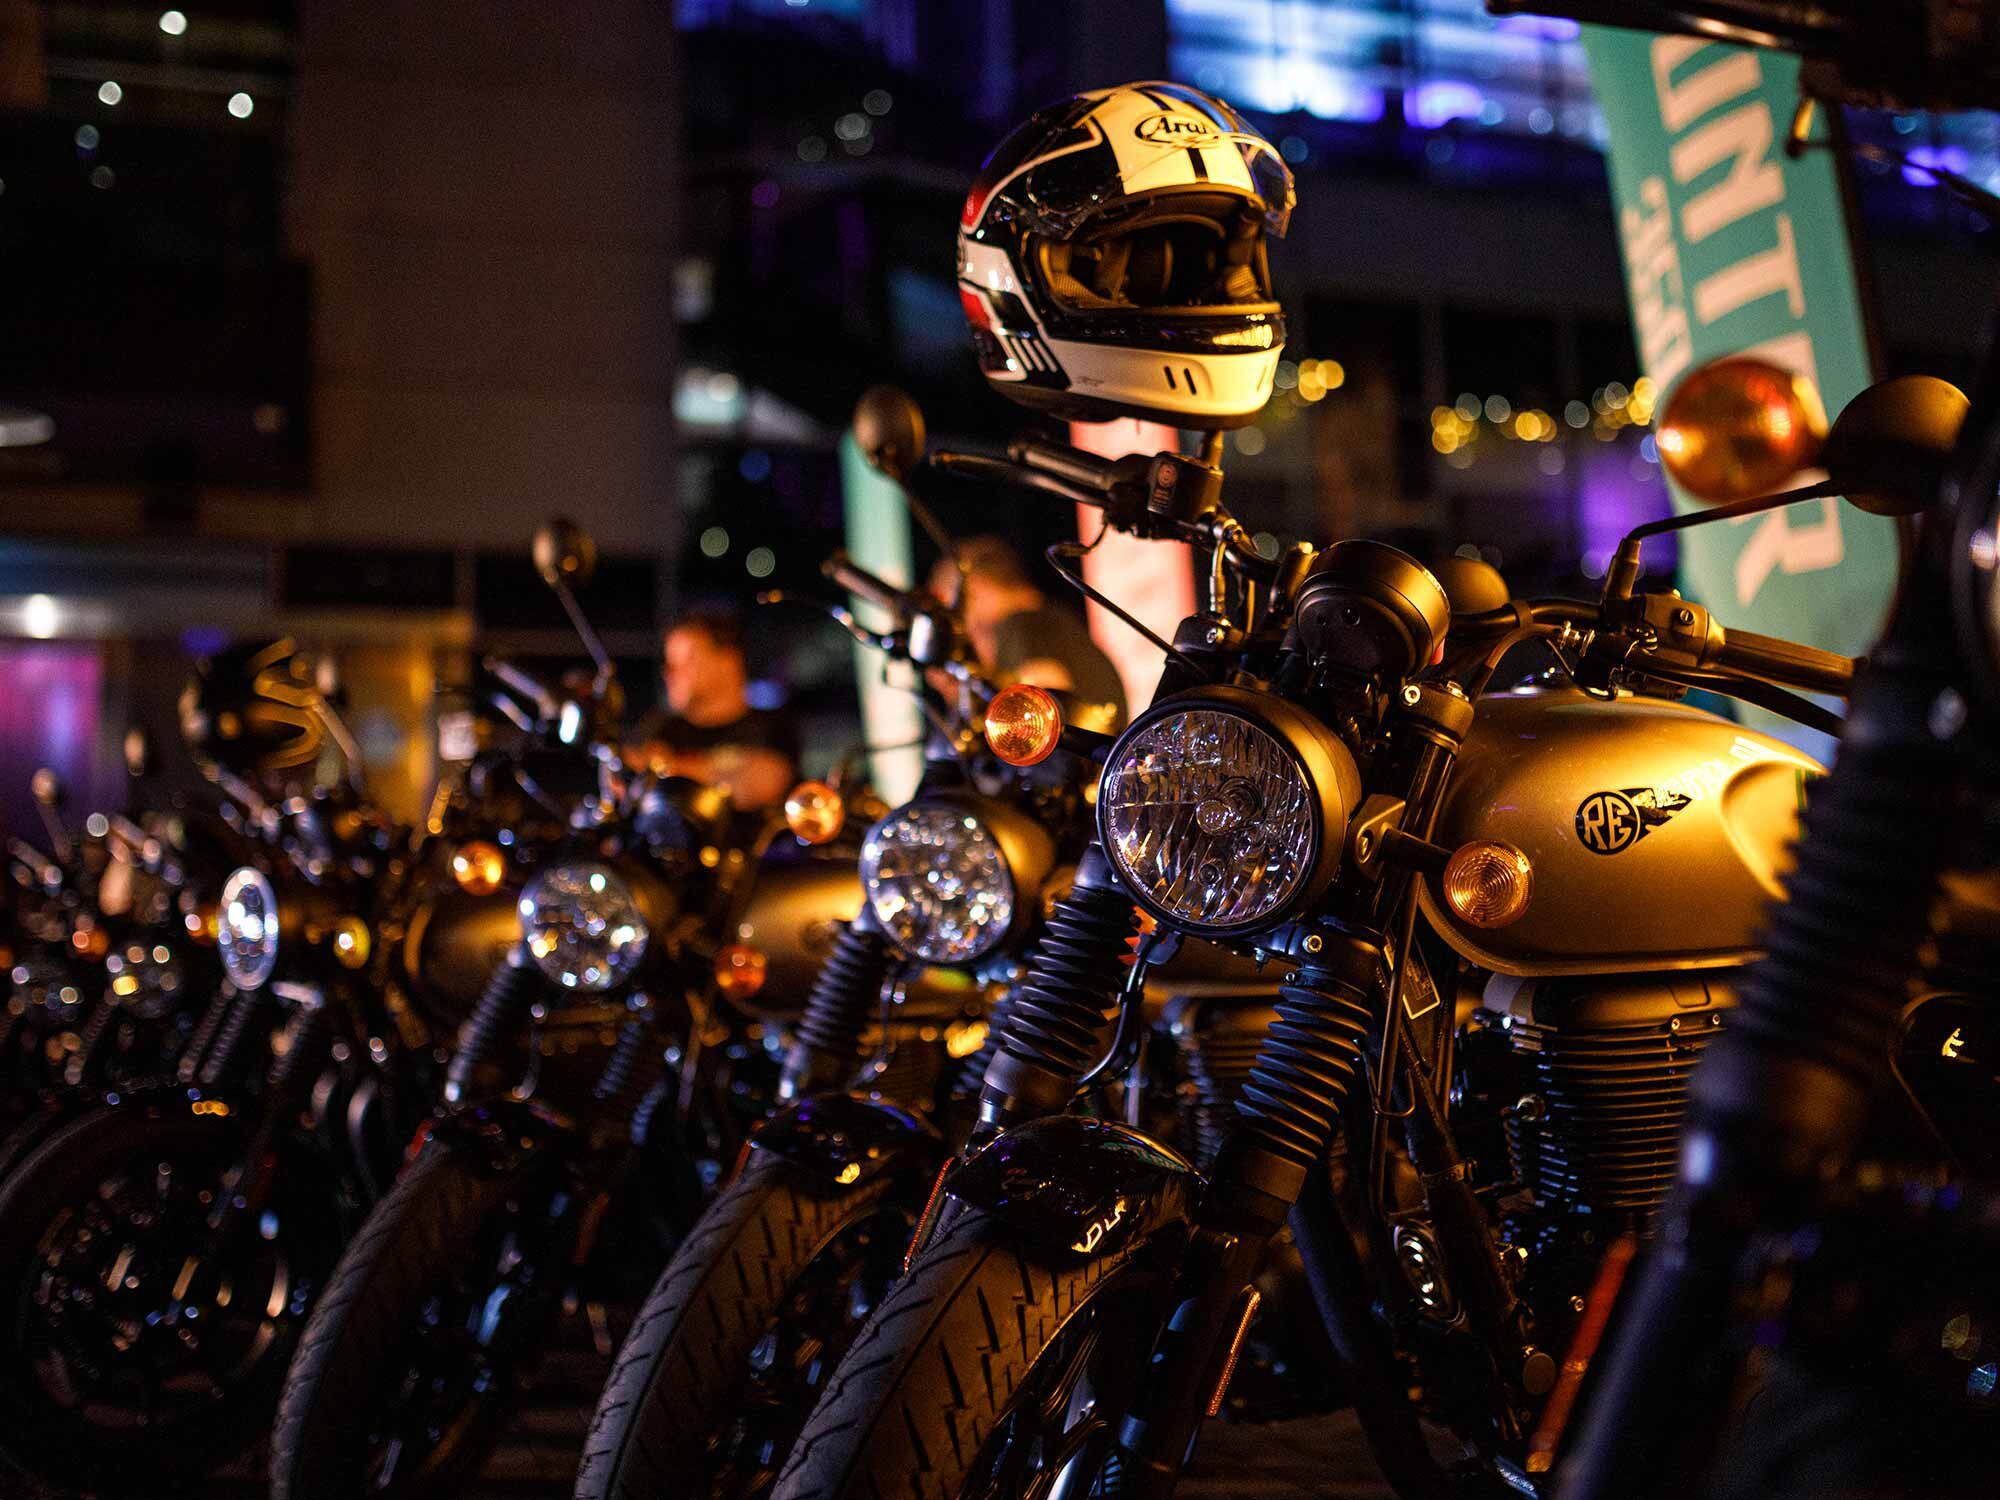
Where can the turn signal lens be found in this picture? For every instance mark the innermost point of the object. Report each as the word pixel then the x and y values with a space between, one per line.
pixel 815 812
pixel 1023 724
pixel 740 971
pixel 351 943
pixel 1739 428
pixel 479 868
pixel 1488 883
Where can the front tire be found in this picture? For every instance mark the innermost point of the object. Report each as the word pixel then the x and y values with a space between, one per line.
pixel 981 1374
pixel 399 1385
pixel 725 1358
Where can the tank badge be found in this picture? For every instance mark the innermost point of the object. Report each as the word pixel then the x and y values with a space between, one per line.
pixel 1612 822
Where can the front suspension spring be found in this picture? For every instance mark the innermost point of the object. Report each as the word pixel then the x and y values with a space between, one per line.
pixel 828 1036
pixel 1056 1027
pixel 637 1062
pixel 188 1066
pixel 1290 1103
pixel 502 1011
pixel 219 1066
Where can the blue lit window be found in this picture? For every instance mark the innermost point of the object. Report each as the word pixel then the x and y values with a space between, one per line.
pixel 1356 60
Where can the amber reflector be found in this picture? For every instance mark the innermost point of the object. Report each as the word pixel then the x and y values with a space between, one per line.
pixel 1739 428
pixel 479 867
pixel 740 971
pixel 1023 724
pixel 815 812
pixel 1488 883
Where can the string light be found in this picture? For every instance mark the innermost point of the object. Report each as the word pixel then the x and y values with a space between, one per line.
pixel 1612 407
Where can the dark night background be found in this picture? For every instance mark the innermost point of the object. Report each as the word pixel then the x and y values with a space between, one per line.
pixel 330 302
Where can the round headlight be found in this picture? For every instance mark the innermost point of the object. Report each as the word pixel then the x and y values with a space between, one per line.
pixel 584 929
pixel 937 880
pixel 247 928
pixel 1220 815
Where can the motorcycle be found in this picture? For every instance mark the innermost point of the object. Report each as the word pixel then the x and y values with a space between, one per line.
pixel 1453 1162
pixel 111 958
pixel 1817 1314
pixel 761 1298
pixel 162 1245
pixel 615 1058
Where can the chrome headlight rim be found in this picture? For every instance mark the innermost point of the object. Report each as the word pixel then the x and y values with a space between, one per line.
pixel 248 928
pixel 1321 760
pixel 1021 850
pixel 600 884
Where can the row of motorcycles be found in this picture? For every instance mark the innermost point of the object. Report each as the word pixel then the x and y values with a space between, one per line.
pixel 1387 1016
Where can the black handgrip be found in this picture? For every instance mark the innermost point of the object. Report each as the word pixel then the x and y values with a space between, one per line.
pixel 1786 662
pixel 861 583
pixel 1086 469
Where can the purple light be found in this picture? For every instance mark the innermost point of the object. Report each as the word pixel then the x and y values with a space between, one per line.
pixel 1442 100
pixel 1950 158
pixel 1545 28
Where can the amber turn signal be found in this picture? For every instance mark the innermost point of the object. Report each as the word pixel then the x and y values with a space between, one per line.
pixel 351 943
pixel 1739 428
pixel 478 867
pixel 201 924
pixel 815 812
pixel 740 971
pixel 1024 724
pixel 1488 883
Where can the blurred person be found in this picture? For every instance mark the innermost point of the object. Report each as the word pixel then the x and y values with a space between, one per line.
pixel 1020 635
pixel 706 728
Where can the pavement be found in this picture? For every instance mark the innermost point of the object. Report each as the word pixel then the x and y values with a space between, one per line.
pixel 1322 1457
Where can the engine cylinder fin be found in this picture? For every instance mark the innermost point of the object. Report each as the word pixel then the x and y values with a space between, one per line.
pixel 1605 1138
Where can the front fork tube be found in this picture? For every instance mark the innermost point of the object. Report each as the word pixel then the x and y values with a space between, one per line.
pixel 247 1184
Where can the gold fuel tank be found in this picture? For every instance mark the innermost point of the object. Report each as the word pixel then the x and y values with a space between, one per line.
pixel 1658 831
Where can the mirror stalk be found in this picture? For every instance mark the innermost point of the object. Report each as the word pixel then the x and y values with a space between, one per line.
pixel 1622 577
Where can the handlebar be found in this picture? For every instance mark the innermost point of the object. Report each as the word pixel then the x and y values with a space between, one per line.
pixel 1804 667
pixel 858 581
pixel 1068 464
pixel 523 684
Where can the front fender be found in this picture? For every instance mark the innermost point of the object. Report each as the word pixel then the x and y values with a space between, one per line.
pixel 503 1137
pixel 842 1139
pixel 1074 1188
pixel 55 1110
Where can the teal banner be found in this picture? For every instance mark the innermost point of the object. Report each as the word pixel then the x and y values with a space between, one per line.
pixel 878 538
pixel 1731 247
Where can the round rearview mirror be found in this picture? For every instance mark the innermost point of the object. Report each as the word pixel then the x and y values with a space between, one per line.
pixel 1889 446
pixel 564 553
pixel 888 428
pixel 1738 428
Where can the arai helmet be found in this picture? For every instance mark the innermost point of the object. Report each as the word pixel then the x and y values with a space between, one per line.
pixel 1111 259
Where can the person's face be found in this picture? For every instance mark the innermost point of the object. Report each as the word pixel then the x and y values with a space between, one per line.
pixel 696 669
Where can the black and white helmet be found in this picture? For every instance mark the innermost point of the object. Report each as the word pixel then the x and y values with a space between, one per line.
pixel 1111 259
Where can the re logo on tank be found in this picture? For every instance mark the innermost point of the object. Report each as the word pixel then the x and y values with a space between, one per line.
pixel 1613 821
